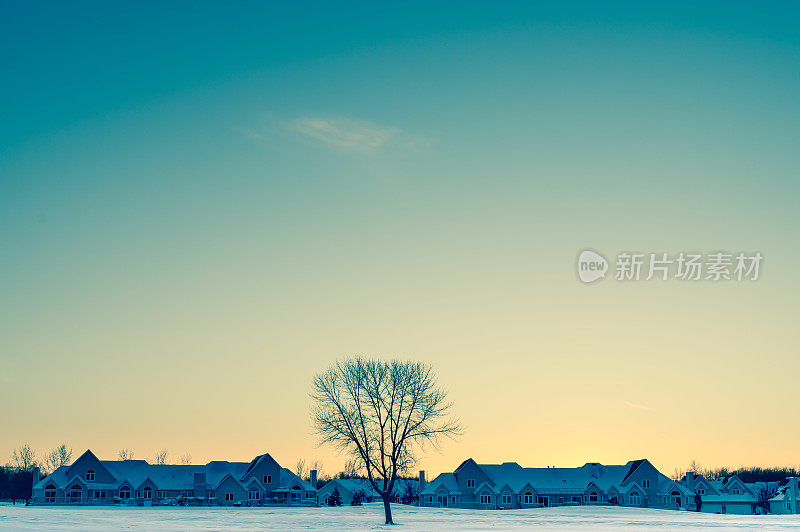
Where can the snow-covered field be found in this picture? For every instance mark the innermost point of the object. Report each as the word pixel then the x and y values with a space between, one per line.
pixel 370 517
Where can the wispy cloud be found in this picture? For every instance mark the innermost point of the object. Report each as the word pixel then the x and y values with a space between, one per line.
pixel 638 406
pixel 345 133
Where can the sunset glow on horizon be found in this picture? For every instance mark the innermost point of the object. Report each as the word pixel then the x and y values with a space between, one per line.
pixel 200 211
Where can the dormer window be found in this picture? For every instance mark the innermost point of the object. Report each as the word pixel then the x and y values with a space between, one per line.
pixel 735 491
pixel 701 491
pixel 90 475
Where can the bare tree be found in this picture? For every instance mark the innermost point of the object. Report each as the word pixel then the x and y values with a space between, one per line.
pixel 161 457
pixel 319 467
pixel 186 459
pixel 695 468
pixel 381 413
pixel 767 491
pixel 300 468
pixel 24 458
pixel 352 469
pixel 126 454
pixel 58 457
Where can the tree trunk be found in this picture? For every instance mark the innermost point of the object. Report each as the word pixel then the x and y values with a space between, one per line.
pixel 387 509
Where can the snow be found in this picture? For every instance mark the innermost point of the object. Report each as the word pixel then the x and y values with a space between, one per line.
pixel 370 517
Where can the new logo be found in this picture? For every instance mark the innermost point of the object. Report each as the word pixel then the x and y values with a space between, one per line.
pixel 591 266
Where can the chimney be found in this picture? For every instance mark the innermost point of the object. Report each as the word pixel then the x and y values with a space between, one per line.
pixel 35 475
pixel 312 478
pixel 421 481
pixel 690 480
pixel 199 484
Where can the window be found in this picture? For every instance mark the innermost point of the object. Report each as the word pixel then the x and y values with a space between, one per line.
pixel 635 499
pixel 593 496
pixel 701 491
pixel 528 497
pixel 161 494
pixel 125 493
pixel 253 496
pixel 309 495
pixel 89 476
pixel 646 484
pixel 75 493
pixel 267 479
pixel 50 493
pixel 576 499
pixel 735 491
pixel 99 494
pixel 486 499
pixel 137 494
pixel 506 499
pixel 211 495
pixel 229 497
pixel 148 492
pixel 453 498
pixel 470 482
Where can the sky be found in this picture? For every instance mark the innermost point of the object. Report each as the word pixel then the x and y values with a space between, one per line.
pixel 203 205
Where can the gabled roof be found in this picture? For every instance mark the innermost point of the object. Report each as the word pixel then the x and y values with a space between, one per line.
pixel 232 477
pixel 485 485
pixel 634 465
pixel 89 453
pixel 667 486
pixel 171 476
pixel 555 479
pixel 249 483
pixel 289 479
pixel 446 480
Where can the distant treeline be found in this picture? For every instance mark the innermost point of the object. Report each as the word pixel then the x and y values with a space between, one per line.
pixel 755 474
pixel 746 474
pixel 15 484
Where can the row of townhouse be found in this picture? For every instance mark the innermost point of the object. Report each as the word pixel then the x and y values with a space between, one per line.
pixel 348 487
pixel 637 483
pixel 263 481
pixel 92 481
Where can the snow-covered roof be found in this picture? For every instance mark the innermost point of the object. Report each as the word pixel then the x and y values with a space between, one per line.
pixel 446 480
pixel 543 479
pixel 167 476
pixel 355 484
pixel 784 494
pixel 556 479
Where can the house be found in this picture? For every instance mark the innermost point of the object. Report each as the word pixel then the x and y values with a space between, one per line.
pixel 787 501
pixel 726 495
pixel 92 481
pixel 509 485
pixel 350 486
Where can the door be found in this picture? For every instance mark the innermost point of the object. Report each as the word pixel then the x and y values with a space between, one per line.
pixel 544 501
pixel 443 501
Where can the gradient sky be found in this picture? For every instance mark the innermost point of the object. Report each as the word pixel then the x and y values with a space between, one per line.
pixel 203 205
